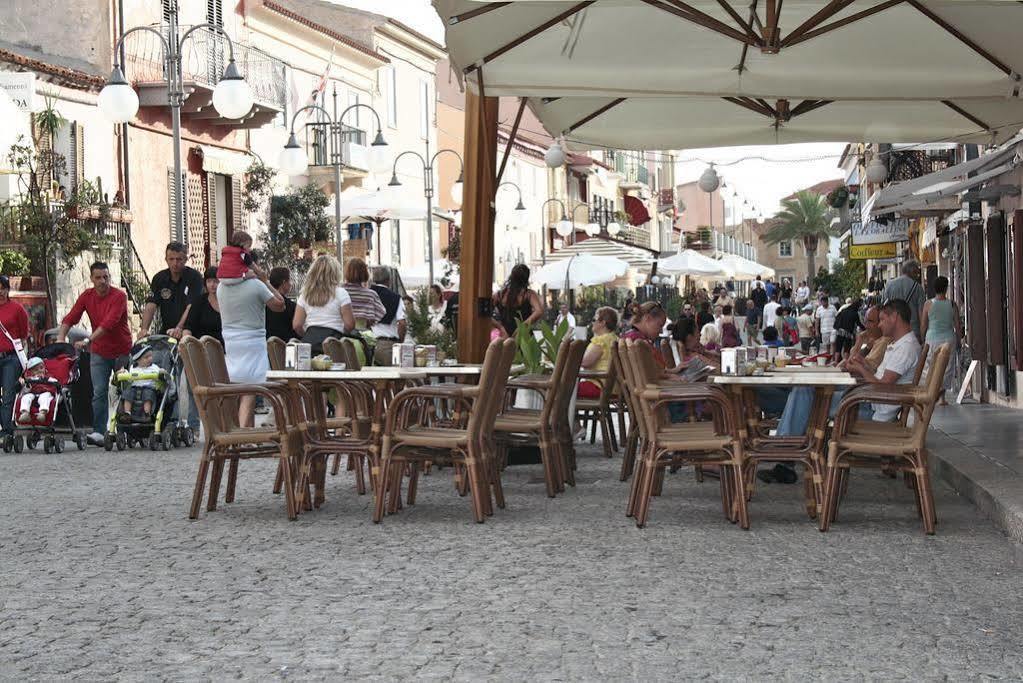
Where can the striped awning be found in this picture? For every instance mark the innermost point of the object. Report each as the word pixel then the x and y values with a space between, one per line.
pixel 639 259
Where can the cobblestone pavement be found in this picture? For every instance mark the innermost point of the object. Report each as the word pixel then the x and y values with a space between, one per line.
pixel 103 576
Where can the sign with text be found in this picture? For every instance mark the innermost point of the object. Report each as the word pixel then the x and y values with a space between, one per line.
pixel 859 252
pixel 21 88
pixel 874 232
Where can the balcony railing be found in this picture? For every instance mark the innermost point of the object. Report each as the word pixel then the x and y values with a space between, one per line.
pixel 203 60
pixel 328 143
pixel 909 164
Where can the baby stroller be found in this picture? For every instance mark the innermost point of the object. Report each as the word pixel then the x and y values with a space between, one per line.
pixel 159 429
pixel 61 362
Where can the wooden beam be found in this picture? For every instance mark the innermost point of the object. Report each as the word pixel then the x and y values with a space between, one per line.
pixel 477 257
pixel 790 41
pixel 965 114
pixel 753 20
pixel 511 141
pixel 958 35
pixel 684 11
pixel 459 18
pixel 820 16
pixel 589 117
pixel 771 32
pixel 807 106
pixel 752 106
pixel 531 34
pixel 743 24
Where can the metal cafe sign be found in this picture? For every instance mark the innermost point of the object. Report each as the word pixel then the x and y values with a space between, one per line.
pixel 874 232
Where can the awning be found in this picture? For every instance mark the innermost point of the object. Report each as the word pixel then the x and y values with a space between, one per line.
pixel 223 161
pixel 928 190
pixel 639 259
pixel 638 214
pixel 927 49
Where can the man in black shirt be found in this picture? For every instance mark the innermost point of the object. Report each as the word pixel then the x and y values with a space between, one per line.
pixel 173 291
pixel 279 324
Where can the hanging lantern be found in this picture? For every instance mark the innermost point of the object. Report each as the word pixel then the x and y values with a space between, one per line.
pixel 554 157
pixel 710 180
pixel 877 172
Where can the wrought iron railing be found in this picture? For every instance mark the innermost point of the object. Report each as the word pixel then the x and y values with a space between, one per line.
pixel 325 142
pixel 909 164
pixel 203 60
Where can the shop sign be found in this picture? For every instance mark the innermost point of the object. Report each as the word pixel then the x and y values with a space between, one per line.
pixel 21 88
pixel 872 251
pixel 874 232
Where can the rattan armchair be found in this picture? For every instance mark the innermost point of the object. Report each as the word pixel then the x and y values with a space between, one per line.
pixel 275 349
pixel 891 446
pixel 225 441
pixel 411 443
pixel 600 411
pixel 712 442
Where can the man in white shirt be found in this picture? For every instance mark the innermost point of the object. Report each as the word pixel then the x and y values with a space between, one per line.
pixel 825 316
pixel 802 294
pixel 771 312
pixel 565 314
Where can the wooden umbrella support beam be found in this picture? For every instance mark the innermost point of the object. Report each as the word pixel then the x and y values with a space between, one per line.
pixel 464 16
pixel 958 35
pixel 965 114
pixel 477 255
pixel 791 39
pixel 511 141
pixel 691 14
pixel 589 117
pixel 529 35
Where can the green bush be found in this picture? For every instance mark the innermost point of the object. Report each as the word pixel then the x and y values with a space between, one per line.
pixel 14 263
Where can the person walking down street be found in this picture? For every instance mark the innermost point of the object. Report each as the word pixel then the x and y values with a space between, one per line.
pixel 907 288
pixel 243 304
pixel 825 316
pixel 598 353
pixel 324 307
pixel 771 309
pixel 174 291
pixel 703 315
pixel 13 337
pixel 785 297
pixel 108 344
pixel 516 301
pixel 280 324
pixel 806 328
pixel 393 326
pixel 730 337
pixel 939 323
pixel 802 294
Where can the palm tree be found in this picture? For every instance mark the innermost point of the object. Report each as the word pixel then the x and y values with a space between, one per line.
pixel 807 218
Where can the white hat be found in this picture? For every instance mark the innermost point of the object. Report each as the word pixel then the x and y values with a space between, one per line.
pixel 33 362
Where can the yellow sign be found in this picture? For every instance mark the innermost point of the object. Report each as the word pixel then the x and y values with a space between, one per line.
pixel 865 251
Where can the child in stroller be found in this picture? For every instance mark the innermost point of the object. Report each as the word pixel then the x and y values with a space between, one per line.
pixel 38 388
pixel 43 407
pixel 144 384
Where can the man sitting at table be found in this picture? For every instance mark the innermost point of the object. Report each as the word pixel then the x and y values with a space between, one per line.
pixel 900 359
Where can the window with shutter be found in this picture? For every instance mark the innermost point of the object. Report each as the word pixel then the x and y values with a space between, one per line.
pixel 176 235
pixel 237 211
pixel 170 9
pixel 203 244
pixel 76 162
pixel 44 156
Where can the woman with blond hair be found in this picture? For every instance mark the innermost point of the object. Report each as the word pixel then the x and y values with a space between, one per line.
pixel 324 308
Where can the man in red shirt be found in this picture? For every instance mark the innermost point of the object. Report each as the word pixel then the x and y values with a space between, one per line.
pixel 109 343
pixel 14 322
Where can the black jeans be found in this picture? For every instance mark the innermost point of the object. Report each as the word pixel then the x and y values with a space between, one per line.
pixel 10 371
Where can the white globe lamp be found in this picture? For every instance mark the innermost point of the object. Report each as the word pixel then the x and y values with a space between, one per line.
pixel 655 280
pixel 118 100
pixel 592 229
pixel 554 157
pixel 613 228
pixel 564 227
pixel 710 180
pixel 379 155
pixel 877 172
pixel 232 98
pixel 457 190
pixel 293 159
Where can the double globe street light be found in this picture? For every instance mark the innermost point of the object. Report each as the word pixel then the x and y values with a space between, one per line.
pixel 294 160
pixel 232 97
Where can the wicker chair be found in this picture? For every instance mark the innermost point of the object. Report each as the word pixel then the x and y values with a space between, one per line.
pixel 547 427
pixel 468 447
pixel 631 437
pixel 225 441
pixel 715 442
pixel 885 445
pixel 600 412
pixel 275 348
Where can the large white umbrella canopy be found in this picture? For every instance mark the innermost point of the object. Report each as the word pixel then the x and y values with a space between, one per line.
pixel 844 49
pixel 379 205
pixel 741 269
pixel 690 262
pixel 419 276
pixel 581 270
pixel 692 122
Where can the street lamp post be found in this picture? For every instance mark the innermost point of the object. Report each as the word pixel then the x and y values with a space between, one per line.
pixel 231 98
pixel 294 160
pixel 456 190
pixel 543 226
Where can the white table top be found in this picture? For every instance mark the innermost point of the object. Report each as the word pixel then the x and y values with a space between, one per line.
pixel 789 379
pixel 452 370
pixel 374 373
pixel 811 368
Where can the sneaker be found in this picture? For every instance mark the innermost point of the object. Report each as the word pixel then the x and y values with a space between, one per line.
pixel 95 439
pixel 779 474
pixel 42 415
pixel 25 417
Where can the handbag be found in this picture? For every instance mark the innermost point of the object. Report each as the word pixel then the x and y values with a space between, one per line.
pixel 19 350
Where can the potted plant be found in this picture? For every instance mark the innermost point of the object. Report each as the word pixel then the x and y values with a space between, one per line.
pixel 839 197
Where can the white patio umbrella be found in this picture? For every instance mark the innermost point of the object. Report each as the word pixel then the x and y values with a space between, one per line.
pixel 417 276
pixel 582 270
pixel 378 206
pixel 807 49
pixel 691 262
pixel 740 269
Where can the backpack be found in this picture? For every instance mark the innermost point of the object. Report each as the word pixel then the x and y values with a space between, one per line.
pixel 729 336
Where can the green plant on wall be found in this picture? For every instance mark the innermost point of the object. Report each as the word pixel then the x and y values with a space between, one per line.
pixel 14 263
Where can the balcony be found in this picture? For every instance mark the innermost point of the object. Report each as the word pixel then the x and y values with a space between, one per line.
pixel 909 164
pixel 204 58
pixel 329 143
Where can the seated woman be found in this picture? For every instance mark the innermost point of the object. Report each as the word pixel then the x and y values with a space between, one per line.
pixel 710 337
pixel 324 308
pixel 598 353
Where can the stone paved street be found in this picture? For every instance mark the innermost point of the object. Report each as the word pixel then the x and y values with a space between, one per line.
pixel 103 576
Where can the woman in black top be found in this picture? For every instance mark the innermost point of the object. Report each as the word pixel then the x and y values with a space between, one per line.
pixel 704 315
pixel 204 318
pixel 516 301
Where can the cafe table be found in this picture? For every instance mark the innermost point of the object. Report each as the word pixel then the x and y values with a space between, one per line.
pixel 383 380
pixel 760 445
